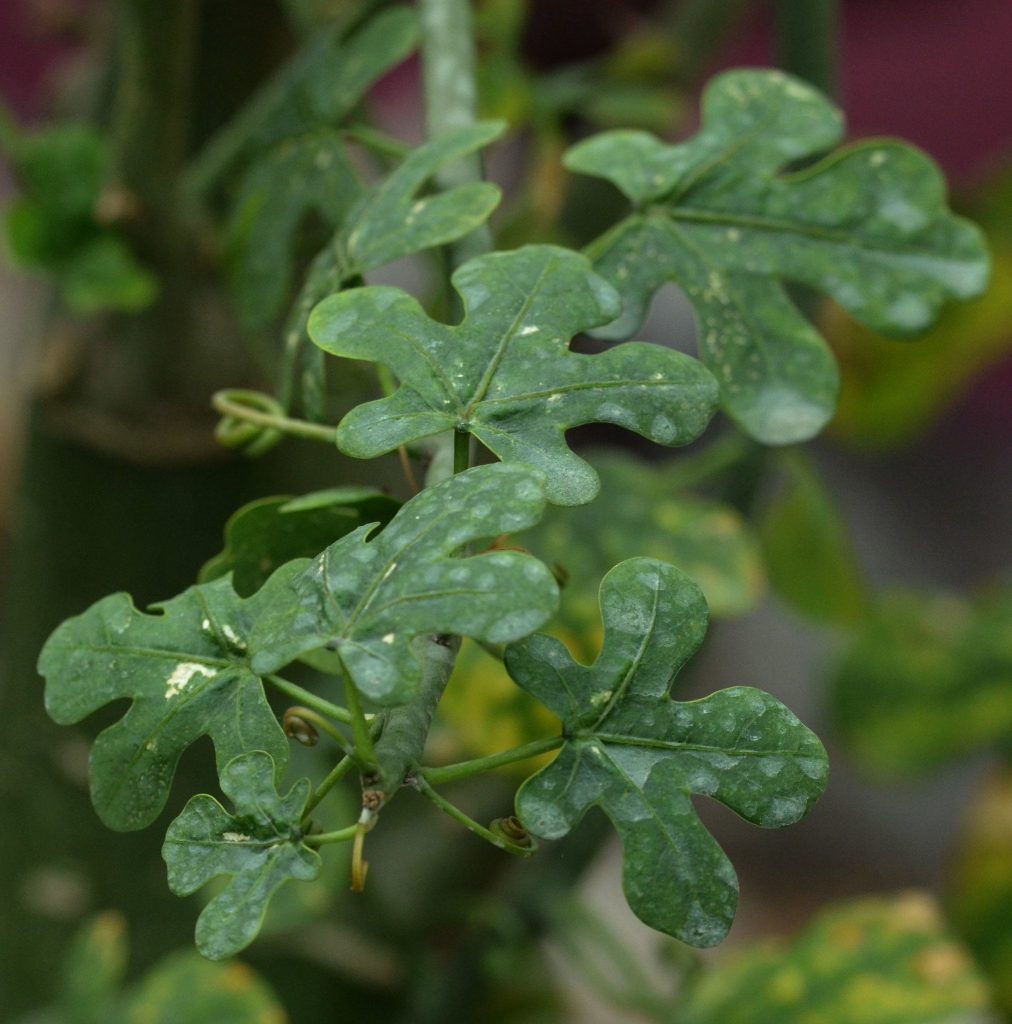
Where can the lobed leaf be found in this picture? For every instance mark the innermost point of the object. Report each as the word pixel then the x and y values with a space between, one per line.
pixel 878 961
pixel 263 535
pixel 505 374
pixel 719 216
pixel 318 88
pixel 391 221
pixel 303 175
pixel 259 845
pixel 187 673
pixel 368 599
pixel 640 756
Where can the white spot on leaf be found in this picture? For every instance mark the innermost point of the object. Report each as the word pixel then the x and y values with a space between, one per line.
pixel 181 676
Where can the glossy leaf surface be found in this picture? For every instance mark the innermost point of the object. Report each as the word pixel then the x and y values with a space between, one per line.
pixel 926 680
pixel 392 220
pixel 187 673
pixel 264 534
pixel 640 756
pixel 505 374
pixel 877 961
pixel 721 216
pixel 259 845
pixel 369 598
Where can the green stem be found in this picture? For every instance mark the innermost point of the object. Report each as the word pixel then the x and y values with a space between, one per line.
pixel 376 141
pixel 333 777
pixel 465 769
pixel 451 99
pixel 469 823
pixel 324 707
pixel 461 450
pixel 364 749
pixel 224 403
pixel 342 835
pixel 807 41
pixel 699 27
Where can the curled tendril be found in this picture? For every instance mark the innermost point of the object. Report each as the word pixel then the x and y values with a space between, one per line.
pixel 512 830
pixel 299 728
pixel 239 427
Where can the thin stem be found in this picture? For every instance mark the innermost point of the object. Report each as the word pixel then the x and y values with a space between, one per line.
pixel 377 141
pixel 807 41
pixel 451 98
pixel 303 696
pixel 223 403
pixel 465 769
pixel 497 651
pixel 364 749
pixel 461 450
pixel 469 823
pixel 342 835
pixel 333 777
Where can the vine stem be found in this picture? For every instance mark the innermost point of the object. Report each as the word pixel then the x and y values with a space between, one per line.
pixel 501 842
pixel 334 776
pixel 364 749
pixel 461 450
pixel 224 403
pixel 342 835
pixel 451 98
pixel 310 700
pixel 465 769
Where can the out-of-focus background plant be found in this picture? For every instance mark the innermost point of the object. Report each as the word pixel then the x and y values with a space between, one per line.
pixel 864 579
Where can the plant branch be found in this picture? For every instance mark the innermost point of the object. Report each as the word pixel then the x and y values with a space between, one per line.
pixel 451 98
pixel 342 835
pixel 334 776
pixel 225 403
pixel 499 841
pixel 465 769
pixel 365 752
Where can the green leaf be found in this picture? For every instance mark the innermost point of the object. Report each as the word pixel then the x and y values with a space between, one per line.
pixel 104 275
pixel 186 989
pixel 925 681
pixel 303 175
pixel 979 887
pixel 640 756
pixel 187 673
pixel 877 961
pixel 318 88
pixel 809 557
pixel 642 510
pixel 390 221
pixel 505 374
pixel 260 846
pixel 367 599
pixel 93 970
pixel 265 534
pixel 719 216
